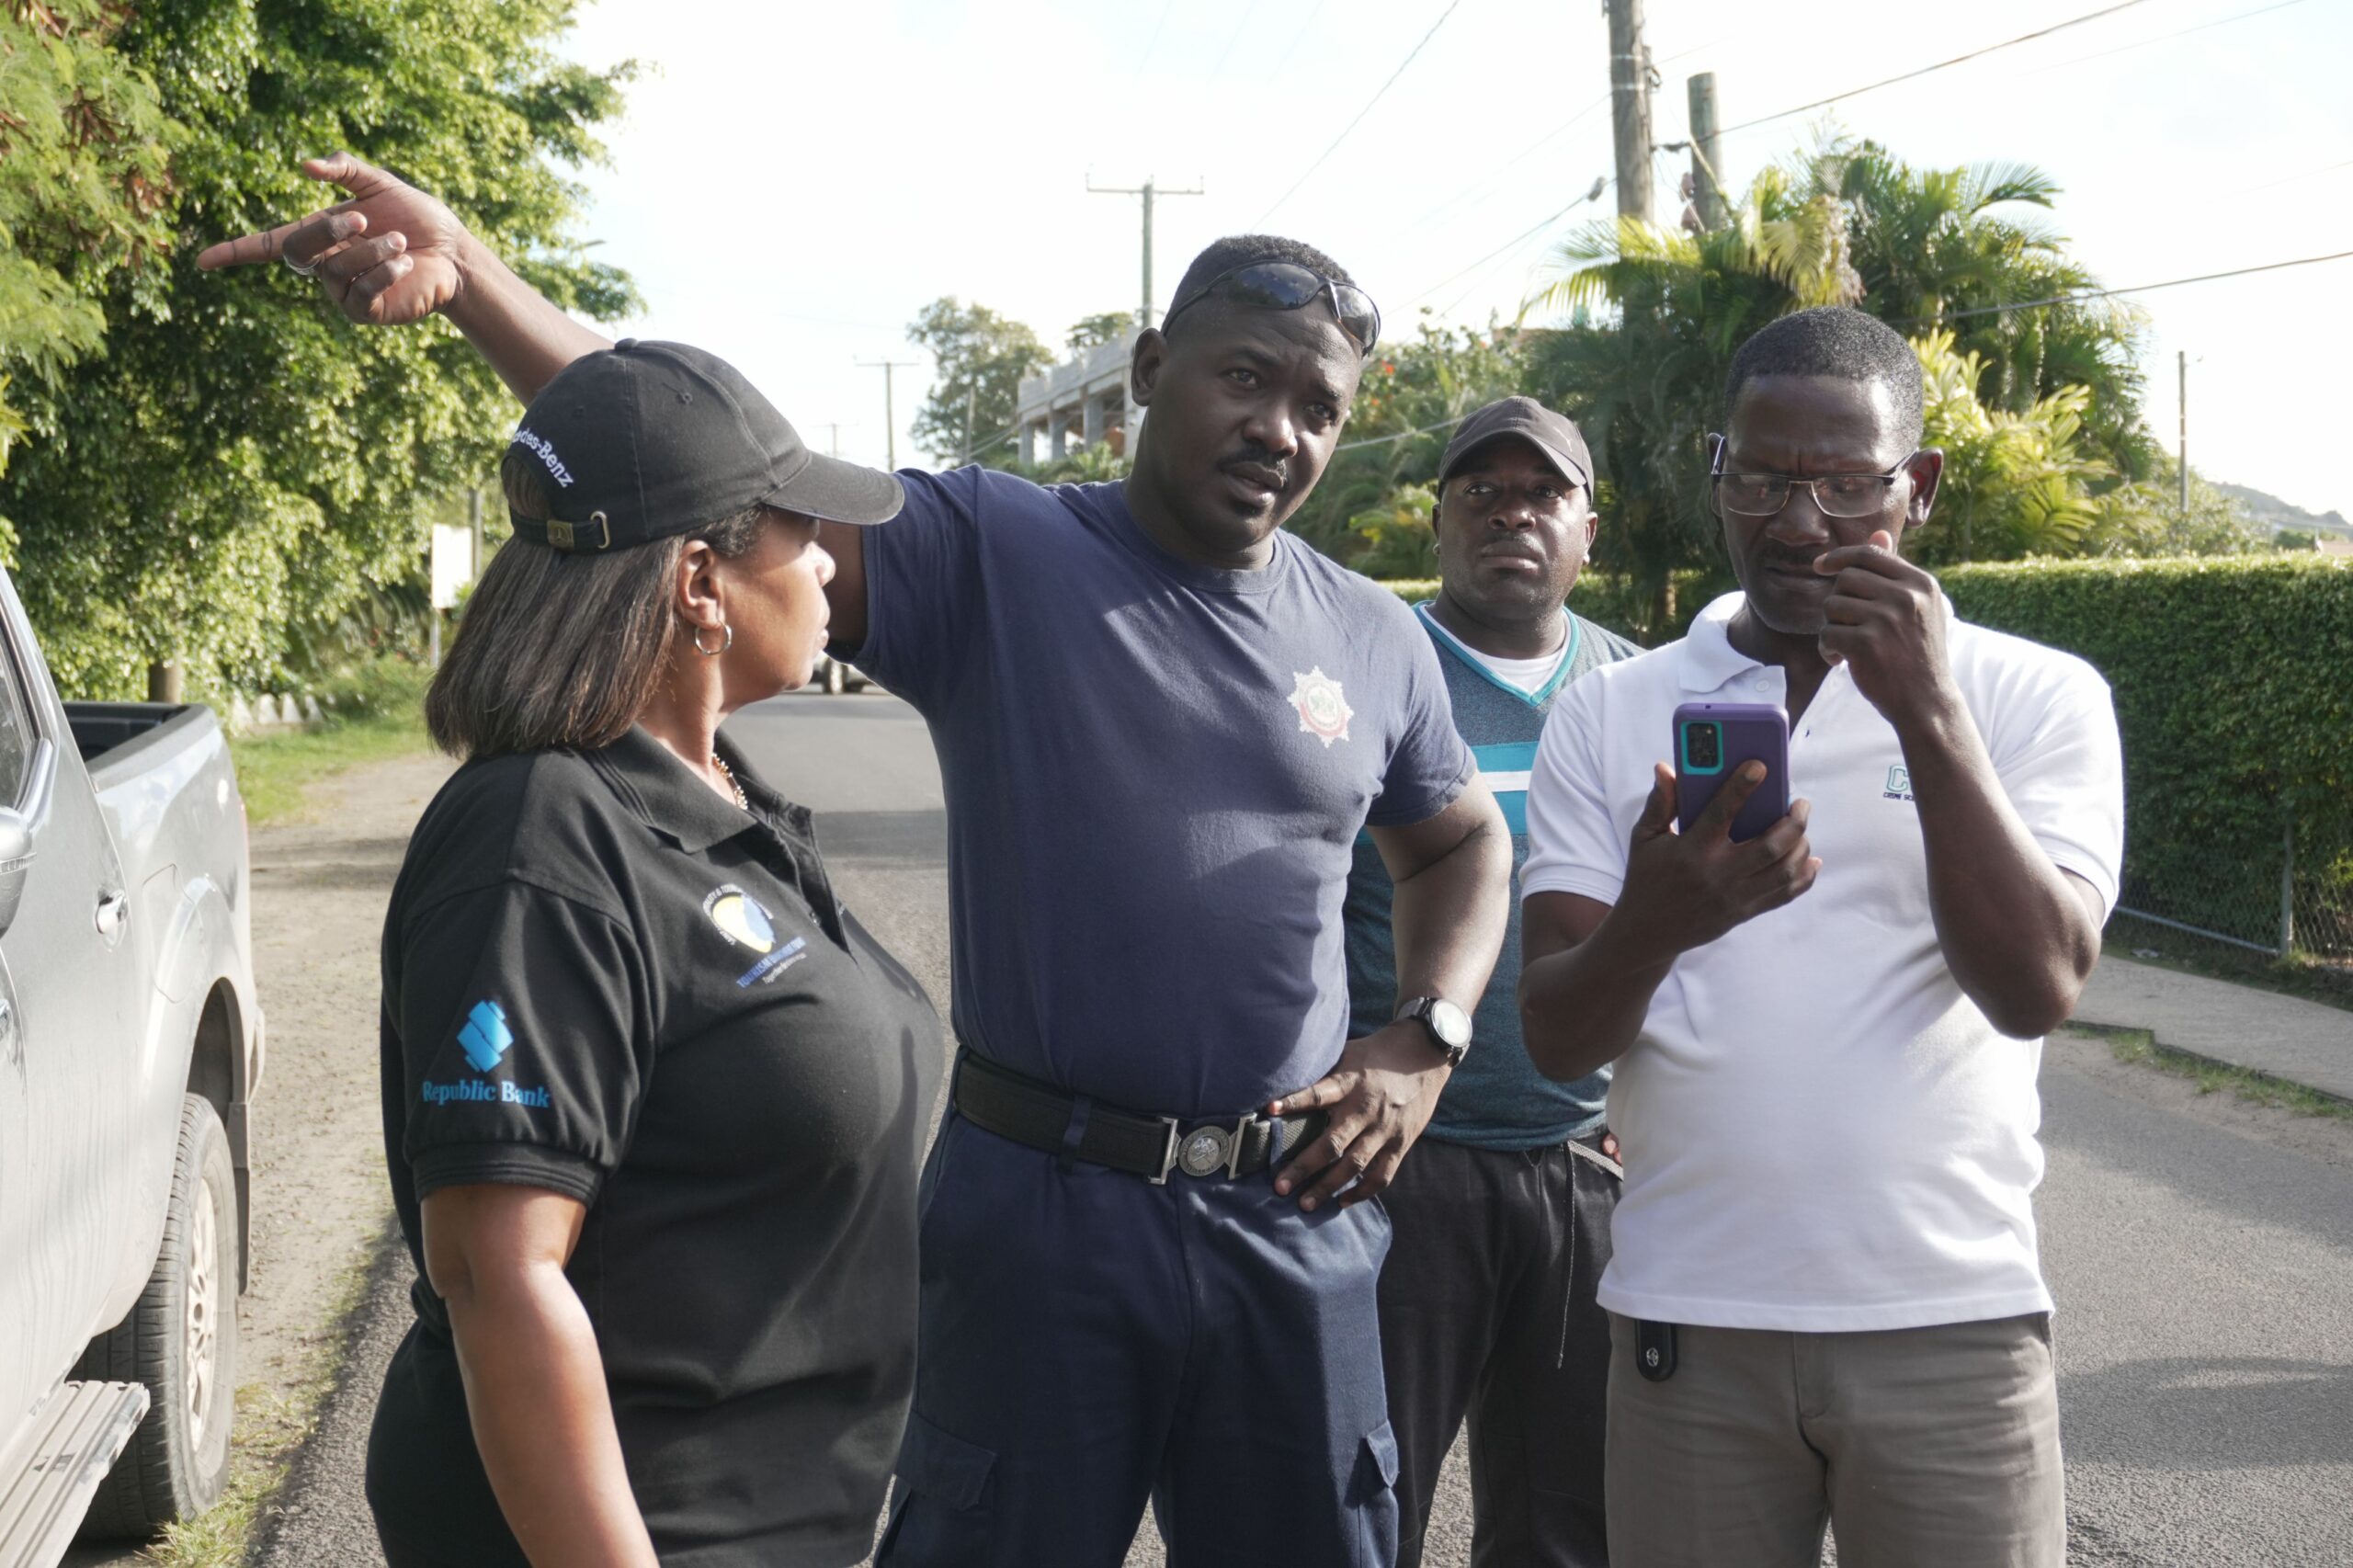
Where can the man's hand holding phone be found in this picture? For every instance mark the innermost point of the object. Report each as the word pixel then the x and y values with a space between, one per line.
pixel 1684 890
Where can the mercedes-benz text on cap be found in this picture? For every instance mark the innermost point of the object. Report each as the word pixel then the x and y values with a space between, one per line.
pixel 647 441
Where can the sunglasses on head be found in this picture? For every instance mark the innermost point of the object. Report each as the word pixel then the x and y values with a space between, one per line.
pixel 1287 285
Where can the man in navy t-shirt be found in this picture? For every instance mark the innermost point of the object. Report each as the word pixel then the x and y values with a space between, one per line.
pixel 1149 1268
pixel 1162 723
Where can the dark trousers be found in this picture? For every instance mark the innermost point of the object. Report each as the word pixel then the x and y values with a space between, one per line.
pixel 1091 1342
pixel 1487 1312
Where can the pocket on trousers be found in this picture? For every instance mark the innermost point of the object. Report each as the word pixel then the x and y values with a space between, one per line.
pixel 939 1513
pixel 1374 1499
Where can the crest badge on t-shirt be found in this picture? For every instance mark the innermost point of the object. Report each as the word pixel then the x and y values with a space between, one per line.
pixel 740 919
pixel 1323 711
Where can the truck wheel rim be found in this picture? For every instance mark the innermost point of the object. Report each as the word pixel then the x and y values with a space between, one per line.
pixel 203 1313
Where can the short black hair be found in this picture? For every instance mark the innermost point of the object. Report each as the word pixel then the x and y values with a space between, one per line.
pixel 1838 341
pixel 1240 250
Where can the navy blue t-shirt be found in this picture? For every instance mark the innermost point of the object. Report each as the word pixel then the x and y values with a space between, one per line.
pixel 1155 774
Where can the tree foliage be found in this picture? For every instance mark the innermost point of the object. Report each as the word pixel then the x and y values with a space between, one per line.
pixel 83 190
pixel 241 467
pixel 2039 408
pixel 979 358
pixel 1102 327
pixel 1371 508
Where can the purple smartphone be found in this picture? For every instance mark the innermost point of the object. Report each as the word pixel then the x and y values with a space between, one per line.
pixel 1713 738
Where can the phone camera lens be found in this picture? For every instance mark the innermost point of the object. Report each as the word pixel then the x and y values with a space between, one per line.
pixel 1707 746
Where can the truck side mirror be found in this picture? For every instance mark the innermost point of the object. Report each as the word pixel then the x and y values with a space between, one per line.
pixel 15 860
pixel 17 826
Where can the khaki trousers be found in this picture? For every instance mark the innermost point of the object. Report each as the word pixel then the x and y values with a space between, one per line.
pixel 1927 1448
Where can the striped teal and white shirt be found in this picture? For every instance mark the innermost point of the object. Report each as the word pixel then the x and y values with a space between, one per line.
pixel 1496 1099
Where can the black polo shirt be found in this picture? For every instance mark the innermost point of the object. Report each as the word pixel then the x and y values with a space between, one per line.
pixel 602 979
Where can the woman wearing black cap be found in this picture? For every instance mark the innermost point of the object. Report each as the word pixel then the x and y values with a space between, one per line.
pixel 654 1101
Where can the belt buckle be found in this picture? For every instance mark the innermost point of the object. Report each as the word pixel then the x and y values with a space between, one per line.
pixel 1167 1151
pixel 1204 1151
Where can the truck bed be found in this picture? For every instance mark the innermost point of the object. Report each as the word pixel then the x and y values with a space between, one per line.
pixel 100 727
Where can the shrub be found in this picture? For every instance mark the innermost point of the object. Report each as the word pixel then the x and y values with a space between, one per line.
pixel 2233 683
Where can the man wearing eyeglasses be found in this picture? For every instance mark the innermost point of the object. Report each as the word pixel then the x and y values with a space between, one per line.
pixel 1149 1261
pixel 1826 1303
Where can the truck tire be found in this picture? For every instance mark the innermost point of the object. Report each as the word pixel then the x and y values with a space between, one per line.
pixel 180 1339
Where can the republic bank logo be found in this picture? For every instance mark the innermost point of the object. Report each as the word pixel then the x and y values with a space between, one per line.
pixel 485 1039
pixel 485 1035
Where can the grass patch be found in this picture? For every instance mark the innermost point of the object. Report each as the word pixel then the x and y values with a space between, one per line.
pixel 271 1424
pixel 379 713
pixel 2140 1048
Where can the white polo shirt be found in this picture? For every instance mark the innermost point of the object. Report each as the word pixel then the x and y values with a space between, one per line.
pixel 1822 1132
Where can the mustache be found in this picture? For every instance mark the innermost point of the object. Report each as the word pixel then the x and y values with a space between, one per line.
pixel 1268 466
pixel 1782 555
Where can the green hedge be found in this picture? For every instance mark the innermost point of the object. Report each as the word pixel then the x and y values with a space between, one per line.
pixel 2233 683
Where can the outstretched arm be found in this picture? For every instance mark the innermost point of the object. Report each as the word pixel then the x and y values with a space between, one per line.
pixel 391 255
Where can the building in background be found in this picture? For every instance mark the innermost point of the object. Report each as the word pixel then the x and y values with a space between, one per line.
pixel 1085 396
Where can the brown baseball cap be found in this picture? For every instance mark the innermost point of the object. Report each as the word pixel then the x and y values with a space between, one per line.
pixel 1550 433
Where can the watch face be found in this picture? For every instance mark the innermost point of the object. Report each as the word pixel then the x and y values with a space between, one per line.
pixel 1450 1024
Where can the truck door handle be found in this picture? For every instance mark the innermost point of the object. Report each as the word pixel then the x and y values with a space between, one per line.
pixel 113 917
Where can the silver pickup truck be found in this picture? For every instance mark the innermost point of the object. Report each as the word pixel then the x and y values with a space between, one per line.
pixel 131 1044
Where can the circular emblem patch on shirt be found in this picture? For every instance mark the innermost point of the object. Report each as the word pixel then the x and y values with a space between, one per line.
pixel 1323 711
pixel 740 919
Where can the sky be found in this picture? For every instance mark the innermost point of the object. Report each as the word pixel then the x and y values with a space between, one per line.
pixel 793 182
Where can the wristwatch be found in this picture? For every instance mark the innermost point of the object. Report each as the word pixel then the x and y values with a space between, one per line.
pixel 1449 1025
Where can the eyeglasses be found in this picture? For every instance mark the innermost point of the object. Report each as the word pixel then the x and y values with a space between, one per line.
pixel 1287 285
pixel 1837 495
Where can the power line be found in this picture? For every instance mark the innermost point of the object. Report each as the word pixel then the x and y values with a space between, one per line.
pixel 1153 42
pixel 1298 38
pixel 1402 434
pixel 2298 179
pixel 1376 98
pixel 1494 176
pixel 1940 65
pixel 1227 53
pixel 2135 289
pixel 2166 38
pixel 1594 195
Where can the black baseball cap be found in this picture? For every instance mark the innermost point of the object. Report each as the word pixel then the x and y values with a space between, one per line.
pixel 646 440
pixel 1550 433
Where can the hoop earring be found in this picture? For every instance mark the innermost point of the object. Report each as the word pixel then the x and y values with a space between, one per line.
pixel 727 641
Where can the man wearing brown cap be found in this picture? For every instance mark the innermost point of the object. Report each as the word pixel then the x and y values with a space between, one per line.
pixel 1502 1215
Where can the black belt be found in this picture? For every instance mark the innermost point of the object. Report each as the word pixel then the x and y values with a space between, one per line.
pixel 1016 1106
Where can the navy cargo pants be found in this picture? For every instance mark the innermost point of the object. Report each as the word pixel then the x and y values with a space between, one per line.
pixel 1090 1341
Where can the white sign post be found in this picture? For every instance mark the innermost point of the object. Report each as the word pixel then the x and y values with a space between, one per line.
pixel 452 569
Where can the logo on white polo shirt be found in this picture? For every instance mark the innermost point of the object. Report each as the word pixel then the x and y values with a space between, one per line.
pixel 1323 711
pixel 1899 783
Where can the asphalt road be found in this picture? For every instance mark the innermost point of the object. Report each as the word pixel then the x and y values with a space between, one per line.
pixel 2201 1250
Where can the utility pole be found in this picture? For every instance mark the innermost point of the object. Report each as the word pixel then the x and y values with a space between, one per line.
pixel 1148 189
pixel 1707 170
pixel 971 395
pixel 1629 92
pixel 833 438
pixel 890 419
pixel 2183 364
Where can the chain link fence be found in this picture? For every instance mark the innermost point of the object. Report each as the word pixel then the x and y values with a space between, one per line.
pixel 2290 904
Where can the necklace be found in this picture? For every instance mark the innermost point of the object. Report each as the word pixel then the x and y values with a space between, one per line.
pixel 729 773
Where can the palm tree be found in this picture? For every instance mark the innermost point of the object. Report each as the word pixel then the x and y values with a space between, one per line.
pixel 1942 249
pixel 1653 318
